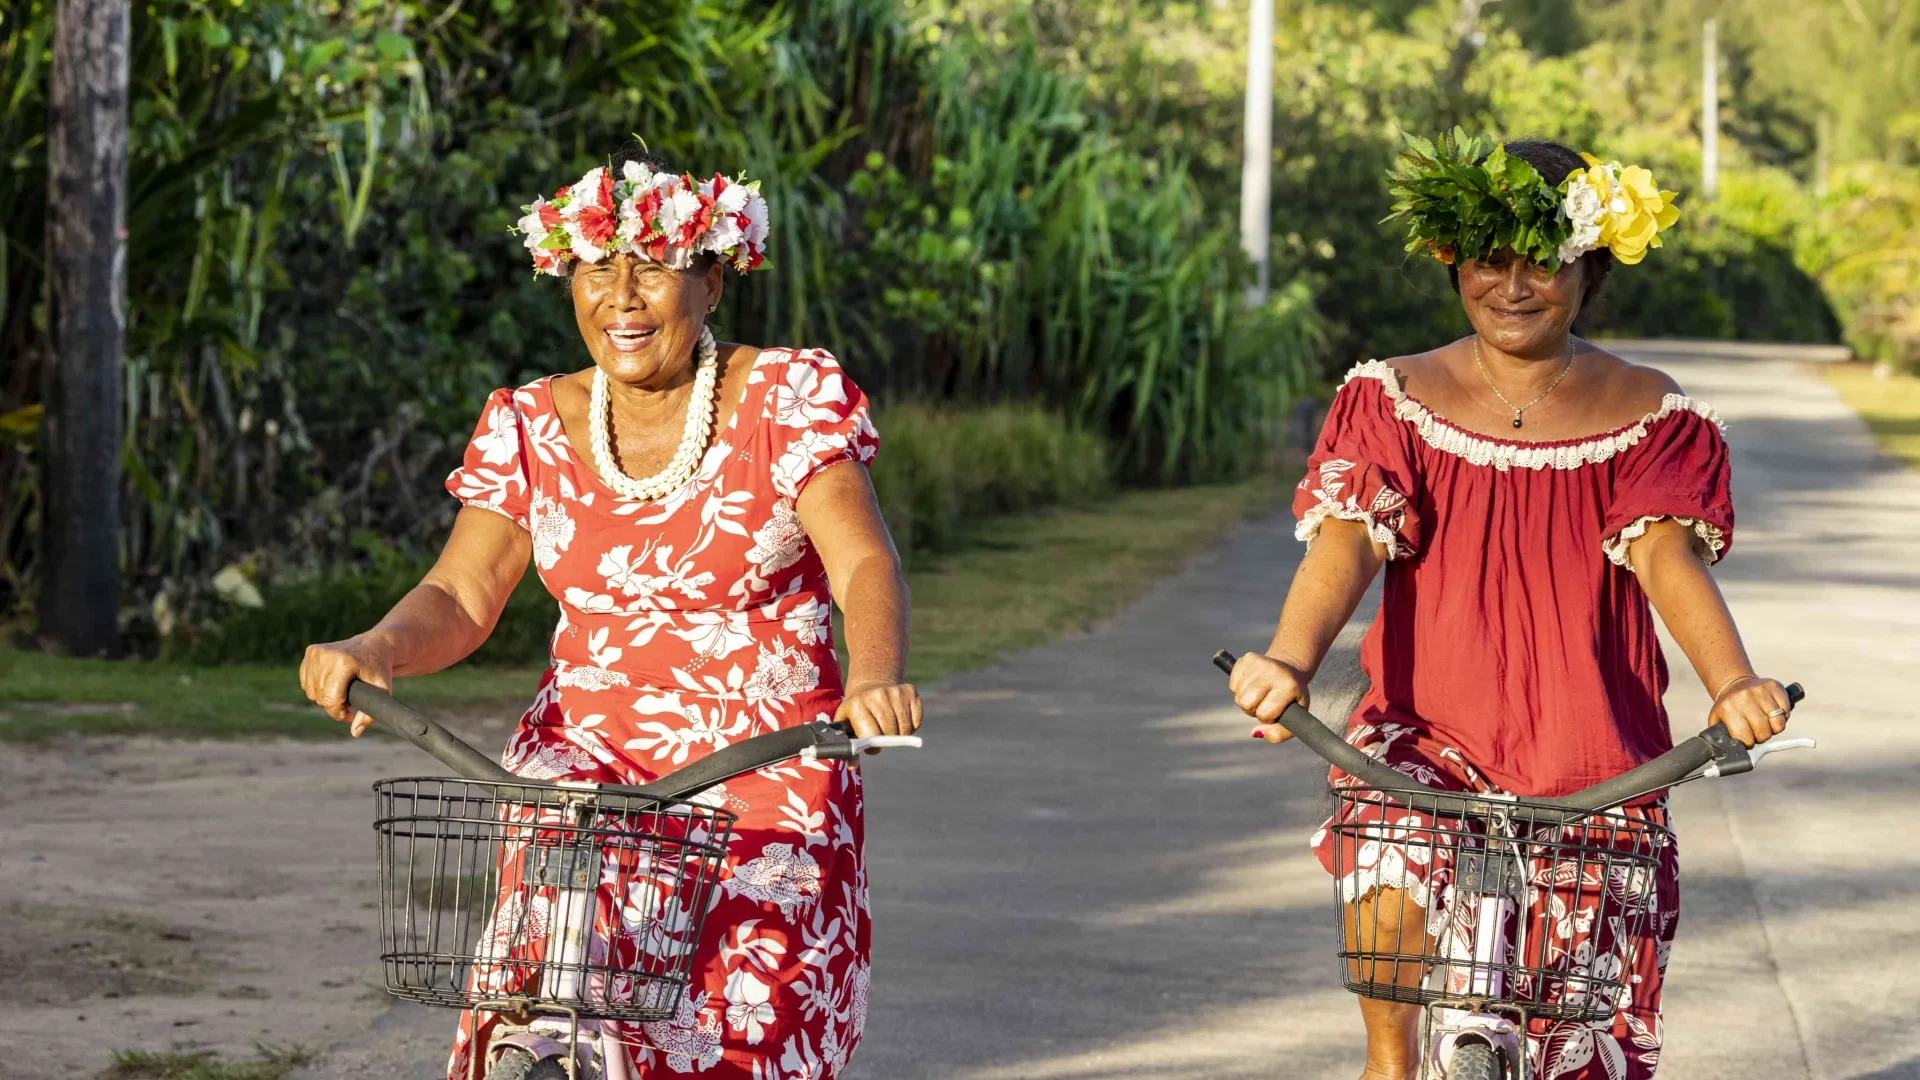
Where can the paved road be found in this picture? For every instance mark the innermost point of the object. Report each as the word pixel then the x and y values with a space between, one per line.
pixel 1095 873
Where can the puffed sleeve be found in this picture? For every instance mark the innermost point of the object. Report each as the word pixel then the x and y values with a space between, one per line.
pixel 820 419
pixel 1679 469
pixel 1363 469
pixel 493 475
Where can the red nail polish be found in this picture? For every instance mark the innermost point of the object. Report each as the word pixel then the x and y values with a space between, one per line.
pixel 1256 734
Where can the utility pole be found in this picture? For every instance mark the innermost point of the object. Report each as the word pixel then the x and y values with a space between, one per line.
pixel 1256 166
pixel 1823 154
pixel 1709 112
pixel 79 605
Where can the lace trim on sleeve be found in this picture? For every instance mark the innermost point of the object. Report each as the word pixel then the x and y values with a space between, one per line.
pixel 482 504
pixel 1708 539
pixel 1383 515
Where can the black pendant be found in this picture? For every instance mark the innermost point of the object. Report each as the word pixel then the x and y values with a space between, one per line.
pixel 1516 419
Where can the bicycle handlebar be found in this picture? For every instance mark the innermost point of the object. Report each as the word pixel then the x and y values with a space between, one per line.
pixel 405 721
pixel 818 740
pixel 1714 746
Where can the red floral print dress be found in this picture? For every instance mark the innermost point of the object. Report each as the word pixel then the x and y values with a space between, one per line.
pixel 1515 653
pixel 684 626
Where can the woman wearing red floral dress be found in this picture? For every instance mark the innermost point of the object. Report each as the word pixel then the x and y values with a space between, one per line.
pixel 695 509
pixel 1528 494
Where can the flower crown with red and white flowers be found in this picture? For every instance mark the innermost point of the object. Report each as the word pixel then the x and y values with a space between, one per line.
pixel 662 217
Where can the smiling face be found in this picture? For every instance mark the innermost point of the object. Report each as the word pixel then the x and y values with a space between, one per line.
pixel 641 320
pixel 1517 306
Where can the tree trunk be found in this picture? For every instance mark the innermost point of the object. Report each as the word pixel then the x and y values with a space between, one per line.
pixel 79 604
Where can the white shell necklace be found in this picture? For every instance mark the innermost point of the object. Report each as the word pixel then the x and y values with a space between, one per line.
pixel 693 441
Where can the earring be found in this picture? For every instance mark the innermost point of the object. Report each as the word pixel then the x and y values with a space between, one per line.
pixel 711 308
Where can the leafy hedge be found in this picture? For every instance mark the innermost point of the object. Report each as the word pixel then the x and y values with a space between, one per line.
pixel 322 286
pixel 939 472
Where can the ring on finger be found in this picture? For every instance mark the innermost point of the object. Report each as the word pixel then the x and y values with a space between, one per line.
pixel 1776 712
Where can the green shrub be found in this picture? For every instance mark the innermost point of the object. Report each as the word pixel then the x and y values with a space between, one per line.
pixel 939 470
pixel 301 611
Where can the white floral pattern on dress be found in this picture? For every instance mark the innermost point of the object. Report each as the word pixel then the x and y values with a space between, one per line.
pixel 552 531
pixel 1384 512
pixel 684 626
pixel 782 875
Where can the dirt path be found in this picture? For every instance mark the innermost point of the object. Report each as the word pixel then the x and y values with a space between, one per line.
pixel 202 895
pixel 1091 872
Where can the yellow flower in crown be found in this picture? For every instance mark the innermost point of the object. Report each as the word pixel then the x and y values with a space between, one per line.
pixel 1632 210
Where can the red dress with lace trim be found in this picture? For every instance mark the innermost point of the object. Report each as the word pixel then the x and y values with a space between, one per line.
pixel 1514 650
pixel 686 625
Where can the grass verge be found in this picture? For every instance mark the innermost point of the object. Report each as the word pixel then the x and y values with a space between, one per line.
pixel 1890 405
pixel 268 1063
pixel 1027 580
pixel 1018 581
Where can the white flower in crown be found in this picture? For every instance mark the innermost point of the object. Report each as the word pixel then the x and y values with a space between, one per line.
pixel 756 222
pixel 724 234
pixel 1584 208
pixel 677 211
pixel 733 200
pixel 581 192
pixel 583 247
pixel 531 226
pixel 1583 205
pixel 658 216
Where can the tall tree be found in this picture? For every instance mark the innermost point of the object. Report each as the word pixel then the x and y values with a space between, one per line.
pixel 86 268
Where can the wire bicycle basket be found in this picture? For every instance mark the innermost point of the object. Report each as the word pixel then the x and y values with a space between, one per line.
pixel 543 897
pixel 1507 894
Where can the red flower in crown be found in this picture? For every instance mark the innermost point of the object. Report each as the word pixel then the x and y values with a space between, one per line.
pixel 647 209
pixel 665 218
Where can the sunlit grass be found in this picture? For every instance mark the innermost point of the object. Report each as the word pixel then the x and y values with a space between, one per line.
pixel 44 696
pixel 1030 580
pixel 1019 581
pixel 1890 404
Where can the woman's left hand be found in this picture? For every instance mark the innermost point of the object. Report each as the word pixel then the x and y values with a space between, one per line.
pixel 1754 710
pixel 880 708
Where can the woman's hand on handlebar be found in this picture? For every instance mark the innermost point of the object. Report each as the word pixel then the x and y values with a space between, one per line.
pixel 329 669
pixel 1744 707
pixel 1263 687
pixel 880 708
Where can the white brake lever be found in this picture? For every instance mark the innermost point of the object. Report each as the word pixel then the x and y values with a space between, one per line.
pixel 1773 745
pixel 887 742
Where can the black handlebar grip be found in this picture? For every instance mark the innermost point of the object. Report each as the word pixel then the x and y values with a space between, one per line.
pixel 405 721
pixel 1329 744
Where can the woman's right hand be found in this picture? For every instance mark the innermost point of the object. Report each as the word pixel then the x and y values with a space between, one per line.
pixel 1263 687
pixel 329 669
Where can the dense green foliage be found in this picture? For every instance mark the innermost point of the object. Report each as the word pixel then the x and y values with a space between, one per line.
pixel 1454 206
pixel 943 468
pixel 323 288
pixel 1820 114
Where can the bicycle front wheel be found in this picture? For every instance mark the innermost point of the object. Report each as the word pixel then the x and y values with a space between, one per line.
pixel 1475 1061
pixel 516 1065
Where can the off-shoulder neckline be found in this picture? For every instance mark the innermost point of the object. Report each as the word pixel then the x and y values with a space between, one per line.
pixel 1504 454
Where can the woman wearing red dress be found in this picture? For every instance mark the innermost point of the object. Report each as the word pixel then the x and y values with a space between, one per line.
pixel 695 509
pixel 1534 500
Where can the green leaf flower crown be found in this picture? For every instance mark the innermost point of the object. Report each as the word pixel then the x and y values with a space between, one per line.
pixel 1455 208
